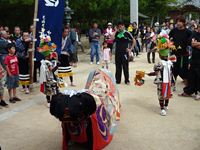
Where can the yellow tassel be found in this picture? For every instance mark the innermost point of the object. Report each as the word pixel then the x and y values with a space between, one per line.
pixel 24 82
pixel 62 75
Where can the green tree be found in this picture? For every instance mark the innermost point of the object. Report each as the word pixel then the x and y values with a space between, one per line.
pixel 101 11
pixel 16 12
pixel 113 10
pixel 26 2
pixel 87 11
pixel 156 9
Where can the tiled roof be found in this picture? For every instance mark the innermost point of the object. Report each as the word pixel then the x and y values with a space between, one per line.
pixel 190 2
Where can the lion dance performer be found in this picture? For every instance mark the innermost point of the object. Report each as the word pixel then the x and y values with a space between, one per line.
pixel 163 73
pixel 90 115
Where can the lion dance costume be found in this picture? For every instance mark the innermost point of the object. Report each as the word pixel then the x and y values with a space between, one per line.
pixel 88 116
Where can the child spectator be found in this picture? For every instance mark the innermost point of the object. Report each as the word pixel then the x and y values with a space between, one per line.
pixel 12 69
pixel 106 55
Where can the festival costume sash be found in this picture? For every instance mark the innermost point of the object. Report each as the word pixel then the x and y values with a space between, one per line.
pixel 166 85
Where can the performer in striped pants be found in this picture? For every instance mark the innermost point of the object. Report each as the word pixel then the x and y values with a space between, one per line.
pixel 24 75
pixel 22 46
pixel 64 69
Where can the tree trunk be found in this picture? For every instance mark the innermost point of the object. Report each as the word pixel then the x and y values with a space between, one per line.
pixel 152 20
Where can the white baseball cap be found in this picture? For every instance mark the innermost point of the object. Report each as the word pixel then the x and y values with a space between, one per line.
pixel 157 24
pixel 109 24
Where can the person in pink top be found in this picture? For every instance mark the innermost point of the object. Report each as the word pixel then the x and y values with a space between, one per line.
pixel 109 34
pixel 106 55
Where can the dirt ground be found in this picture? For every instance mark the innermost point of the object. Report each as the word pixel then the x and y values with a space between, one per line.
pixel 28 125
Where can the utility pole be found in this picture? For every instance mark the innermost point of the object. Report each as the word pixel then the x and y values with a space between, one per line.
pixel 134 11
pixel 32 50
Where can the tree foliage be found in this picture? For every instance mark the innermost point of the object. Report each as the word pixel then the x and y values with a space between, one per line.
pixel 113 10
pixel 87 11
pixel 101 10
pixel 24 2
pixel 156 9
pixel 16 13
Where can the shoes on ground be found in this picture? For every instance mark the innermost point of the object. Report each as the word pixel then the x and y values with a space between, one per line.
pixel 163 112
pixel 11 100
pixel 184 94
pixel 3 103
pixel 27 91
pixel 197 97
pixel 166 108
pixel 48 105
pixel 16 99
pixel 72 84
pixel 117 82
pixel 23 90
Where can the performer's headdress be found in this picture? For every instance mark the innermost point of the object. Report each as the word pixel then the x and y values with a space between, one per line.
pixel 164 45
pixel 46 47
pixel 77 107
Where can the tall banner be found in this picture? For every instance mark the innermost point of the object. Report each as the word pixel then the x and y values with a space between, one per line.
pixel 50 15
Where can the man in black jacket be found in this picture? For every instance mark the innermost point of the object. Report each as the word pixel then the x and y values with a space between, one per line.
pixel 194 68
pixel 124 45
pixel 182 39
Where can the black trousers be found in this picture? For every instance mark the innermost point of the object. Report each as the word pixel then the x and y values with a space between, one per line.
pixel 180 68
pixel 121 62
pixel 23 66
pixel 73 58
pixel 37 65
pixel 65 62
pixel 193 81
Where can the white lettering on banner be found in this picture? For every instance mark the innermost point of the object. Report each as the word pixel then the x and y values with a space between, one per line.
pixel 52 3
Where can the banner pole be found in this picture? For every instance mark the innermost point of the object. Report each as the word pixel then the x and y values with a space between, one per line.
pixel 32 49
